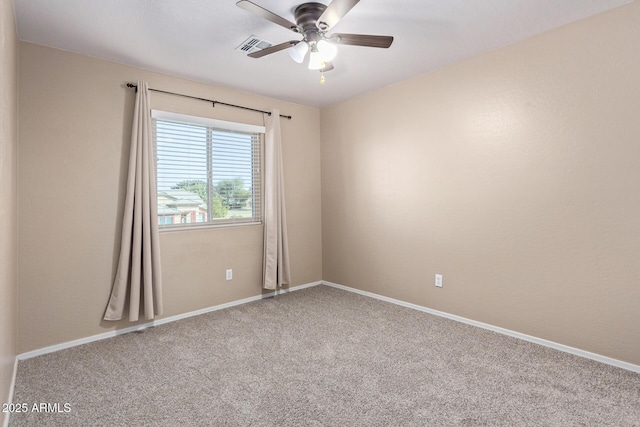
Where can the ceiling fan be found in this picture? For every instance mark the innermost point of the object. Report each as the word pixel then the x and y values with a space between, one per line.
pixel 313 21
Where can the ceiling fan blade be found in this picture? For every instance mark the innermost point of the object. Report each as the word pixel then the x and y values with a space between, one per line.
pixel 335 12
pixel 328 66
pixel 362 40
pixel 273 49
pixel 266 14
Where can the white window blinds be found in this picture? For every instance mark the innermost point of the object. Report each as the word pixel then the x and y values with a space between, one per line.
pixel 208 171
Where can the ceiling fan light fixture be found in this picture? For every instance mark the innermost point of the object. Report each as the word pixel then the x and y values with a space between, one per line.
pixel 315 59
pixel 328 51
pixel 299 51
pixel 313 20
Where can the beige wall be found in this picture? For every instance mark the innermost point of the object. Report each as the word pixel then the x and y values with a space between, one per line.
pixel 515 174
pixel 75 124
pixel 8 195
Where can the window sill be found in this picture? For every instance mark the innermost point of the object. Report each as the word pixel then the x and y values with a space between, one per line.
pixel 169 229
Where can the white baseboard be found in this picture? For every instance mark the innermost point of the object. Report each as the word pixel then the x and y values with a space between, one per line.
pixel 295 288
pixel 161 321
pixel 535 340
pixel 12 386
pixel 561 347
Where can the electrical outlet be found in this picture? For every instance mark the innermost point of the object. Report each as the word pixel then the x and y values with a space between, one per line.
pixel 439 280
pixel 229 274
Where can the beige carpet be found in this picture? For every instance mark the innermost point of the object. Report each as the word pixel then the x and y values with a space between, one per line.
pixel 322 357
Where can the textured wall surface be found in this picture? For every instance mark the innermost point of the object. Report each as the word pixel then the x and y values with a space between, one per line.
pixel 75 125
pixel 515 174
pixel 8 195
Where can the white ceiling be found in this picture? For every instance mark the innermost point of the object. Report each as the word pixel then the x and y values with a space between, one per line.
pixel 196 39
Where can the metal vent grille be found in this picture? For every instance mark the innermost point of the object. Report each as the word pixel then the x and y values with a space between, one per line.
pixel 253 44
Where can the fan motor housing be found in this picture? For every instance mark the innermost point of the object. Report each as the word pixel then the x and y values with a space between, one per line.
pixel 307 15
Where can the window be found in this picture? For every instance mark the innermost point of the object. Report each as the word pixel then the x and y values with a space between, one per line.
pixel 208 171
pixel 165 219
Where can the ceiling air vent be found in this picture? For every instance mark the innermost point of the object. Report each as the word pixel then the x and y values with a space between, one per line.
pixel 253 44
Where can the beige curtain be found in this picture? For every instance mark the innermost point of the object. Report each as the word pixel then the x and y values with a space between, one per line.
pixel 276 270
pixel 138 281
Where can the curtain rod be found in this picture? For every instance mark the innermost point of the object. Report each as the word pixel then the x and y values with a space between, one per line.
pixel 209 100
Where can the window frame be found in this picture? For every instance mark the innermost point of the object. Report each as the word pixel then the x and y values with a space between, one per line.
pixel 218 125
